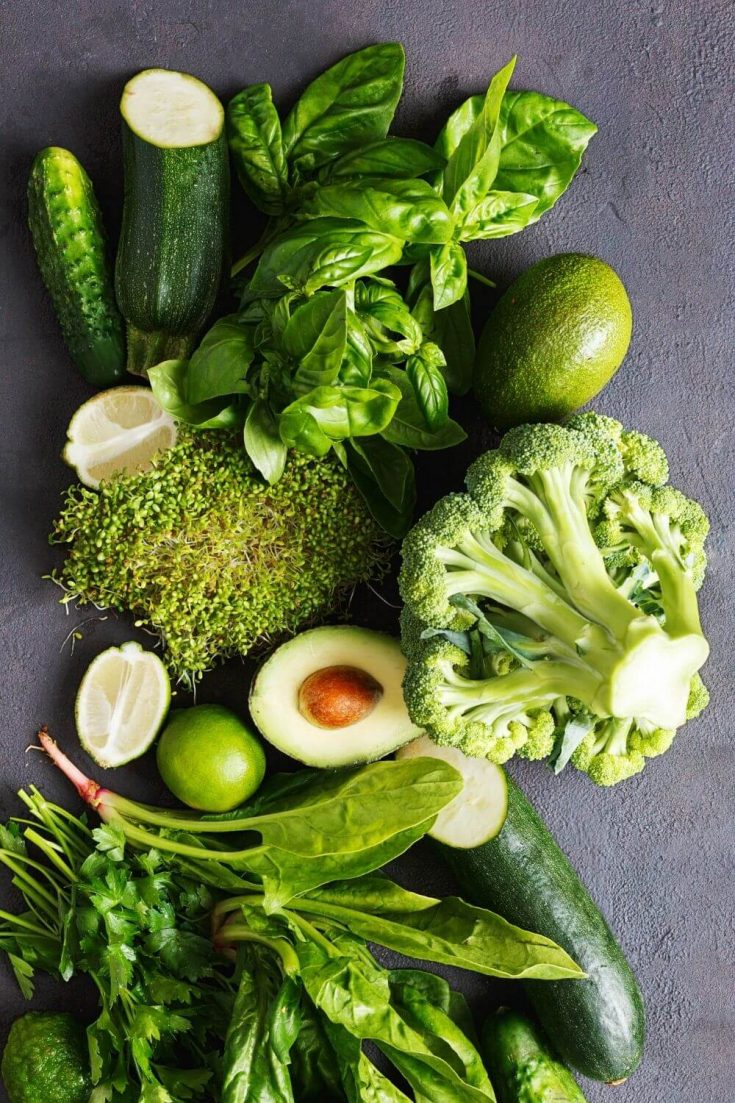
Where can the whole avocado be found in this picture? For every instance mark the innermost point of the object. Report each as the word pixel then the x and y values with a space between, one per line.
pixel 46 1060
pixel 555 338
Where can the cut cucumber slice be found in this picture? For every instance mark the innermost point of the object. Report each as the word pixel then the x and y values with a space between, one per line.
pixel 478 813
pixel 171 110
pixel 121 704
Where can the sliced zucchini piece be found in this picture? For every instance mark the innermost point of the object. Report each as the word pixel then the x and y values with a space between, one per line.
pixel 171 110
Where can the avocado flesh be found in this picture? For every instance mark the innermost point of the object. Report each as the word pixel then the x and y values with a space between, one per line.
pixel 274 697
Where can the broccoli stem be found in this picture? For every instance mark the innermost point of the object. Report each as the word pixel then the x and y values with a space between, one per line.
pixel 492 699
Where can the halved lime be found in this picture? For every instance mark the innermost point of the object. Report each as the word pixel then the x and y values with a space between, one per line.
pixel 119 430
pixel 122 702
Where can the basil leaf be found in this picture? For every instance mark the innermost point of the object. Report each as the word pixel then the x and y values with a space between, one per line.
pixel 499 214
pixel 321 252
pixel 253 1070
pixel 457 125
pixel 316 336
pixel 347 106
pixel 407 209
pixel 408 426
pixel 424 371
pixel 263 443
pixel 450 328
pixel 169 384
pixel 219 365
pixel 338 414
pixel 385 477
pixel 401 158
pixel 448 932
pixel 448 274
pixel 473 165
pixel 357 362
pixel 543 141
pixel 256 144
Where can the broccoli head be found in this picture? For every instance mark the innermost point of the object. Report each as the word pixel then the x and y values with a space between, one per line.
pixel 555 603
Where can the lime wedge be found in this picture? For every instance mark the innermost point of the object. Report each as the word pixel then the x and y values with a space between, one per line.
pixel 119 430
pixel 121 704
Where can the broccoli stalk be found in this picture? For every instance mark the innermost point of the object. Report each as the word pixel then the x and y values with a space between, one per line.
pixel 542 562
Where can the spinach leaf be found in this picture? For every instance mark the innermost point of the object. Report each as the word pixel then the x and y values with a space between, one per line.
pixel 258 1041
pixel 543 141
pixel 346 107
pixel 385 477
pixel 326 414
pixel 473 165
pixel 424 371
pixel 354 992
pixel 316 336
pixel 499 214
pixel 263 442
pixel 321 252
pixel 169 382
pixel 256 144
pixel 449 931
pixel 448 266
pixel 408 427
pixel 219 365
pixel 315 1069
pixel 407 209
pixel 401 158
pixel 362 1081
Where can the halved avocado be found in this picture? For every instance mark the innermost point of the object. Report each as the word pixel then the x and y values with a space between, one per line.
pixel 332 697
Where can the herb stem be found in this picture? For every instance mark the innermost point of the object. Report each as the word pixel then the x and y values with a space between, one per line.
pixel 481 278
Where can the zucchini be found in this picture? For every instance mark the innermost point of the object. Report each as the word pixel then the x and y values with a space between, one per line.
pixel 522 1067
pixel 598 1024
pixel 66 227
pixel 172 250
pixel 479 812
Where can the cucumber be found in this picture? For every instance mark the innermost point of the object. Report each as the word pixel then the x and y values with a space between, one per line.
pixel 522 1067
pixel 479 812
pixel 172 250
pixel 67 232
pixel 598 1024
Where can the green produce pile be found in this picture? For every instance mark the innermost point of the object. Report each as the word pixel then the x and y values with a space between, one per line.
pixel 144 903
pixel 208 557
pixel 327 353
pixel 552 610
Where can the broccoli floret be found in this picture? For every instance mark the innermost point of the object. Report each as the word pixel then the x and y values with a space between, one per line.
pixel 571 580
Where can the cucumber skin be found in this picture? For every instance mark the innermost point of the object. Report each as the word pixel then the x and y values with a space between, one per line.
pixel 173 245
pixel 597 1024
pixel 522 1067
pixel 66 226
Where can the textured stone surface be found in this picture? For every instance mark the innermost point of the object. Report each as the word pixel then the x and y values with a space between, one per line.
pixel 655 200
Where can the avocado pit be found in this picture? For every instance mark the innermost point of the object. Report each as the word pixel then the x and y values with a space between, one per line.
pixel 338 696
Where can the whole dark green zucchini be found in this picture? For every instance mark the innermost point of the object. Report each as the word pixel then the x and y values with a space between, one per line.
pixel 172 249
pixel 597 1024
pixel 66 226
pixel 522 1067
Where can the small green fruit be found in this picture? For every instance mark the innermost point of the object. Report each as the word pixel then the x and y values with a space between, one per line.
pixel 555 339
pixel 209 759
pixel 46 1060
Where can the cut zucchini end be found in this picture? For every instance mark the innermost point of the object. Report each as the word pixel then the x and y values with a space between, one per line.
pixel 171 110
pixel 478 813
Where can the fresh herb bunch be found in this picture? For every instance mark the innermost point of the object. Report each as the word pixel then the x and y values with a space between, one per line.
pixel 326 353
pixel 154 904
pixel 209 558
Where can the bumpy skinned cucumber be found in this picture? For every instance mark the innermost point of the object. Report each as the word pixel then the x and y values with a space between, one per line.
pixel 522 1067
pixel 172 249
pixel 66 226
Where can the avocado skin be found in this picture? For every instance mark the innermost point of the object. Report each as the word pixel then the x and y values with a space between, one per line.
pixel 555 338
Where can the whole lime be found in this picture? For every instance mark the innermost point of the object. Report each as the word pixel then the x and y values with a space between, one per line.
pixel 209 759
pixel 555 338
pixel 46 1060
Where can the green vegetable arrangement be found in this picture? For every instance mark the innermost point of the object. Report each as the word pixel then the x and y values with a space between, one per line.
pixel 552 611
pixel 327 354
pixel 211 559
pixel 132 904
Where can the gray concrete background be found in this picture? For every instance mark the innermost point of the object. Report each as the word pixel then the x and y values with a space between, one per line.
pixel 655 200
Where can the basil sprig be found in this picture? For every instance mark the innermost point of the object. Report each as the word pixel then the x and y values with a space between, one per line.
pixel 325 352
